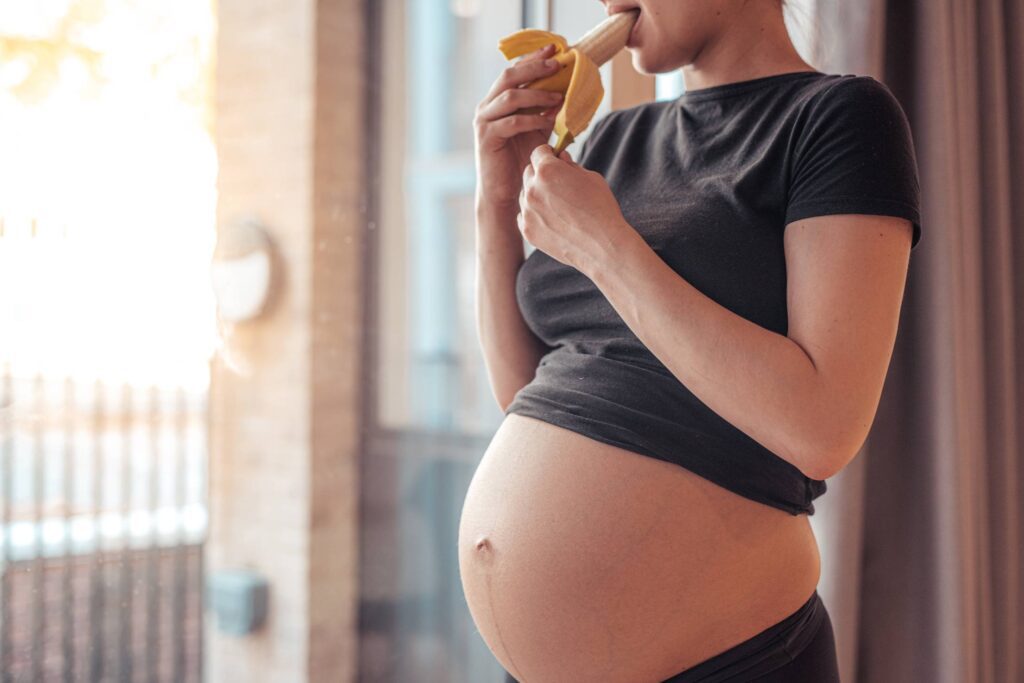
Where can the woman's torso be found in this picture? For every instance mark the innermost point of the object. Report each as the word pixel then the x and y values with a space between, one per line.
pixel 584 561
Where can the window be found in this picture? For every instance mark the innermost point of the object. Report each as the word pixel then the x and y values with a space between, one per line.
pixel 440 60
pixel 107 217
pixel 432 411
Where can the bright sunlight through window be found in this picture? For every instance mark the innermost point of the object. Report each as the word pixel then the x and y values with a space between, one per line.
pixel 107 189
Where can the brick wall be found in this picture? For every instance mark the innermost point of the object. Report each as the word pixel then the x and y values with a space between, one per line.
pixel 284 434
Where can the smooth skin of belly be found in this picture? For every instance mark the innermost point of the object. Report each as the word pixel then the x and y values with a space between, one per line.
pixel 584 561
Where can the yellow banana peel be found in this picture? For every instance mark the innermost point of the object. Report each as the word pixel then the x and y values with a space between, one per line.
pixel 578 76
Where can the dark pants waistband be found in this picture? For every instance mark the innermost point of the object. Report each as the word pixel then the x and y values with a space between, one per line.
pixel 771 648
pixel 767 651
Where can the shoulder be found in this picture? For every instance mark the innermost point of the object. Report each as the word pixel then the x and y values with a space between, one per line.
pixel 854 99
pixel 853 152
pixel 855 115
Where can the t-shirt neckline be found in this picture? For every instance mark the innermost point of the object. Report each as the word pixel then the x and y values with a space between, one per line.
pixel 729 89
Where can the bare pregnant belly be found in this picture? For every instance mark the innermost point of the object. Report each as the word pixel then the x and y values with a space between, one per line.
pixel 584 561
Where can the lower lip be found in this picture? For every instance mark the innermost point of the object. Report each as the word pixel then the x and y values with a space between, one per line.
pixel 631 40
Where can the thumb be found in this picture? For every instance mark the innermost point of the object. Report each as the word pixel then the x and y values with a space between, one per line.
pixel 565 156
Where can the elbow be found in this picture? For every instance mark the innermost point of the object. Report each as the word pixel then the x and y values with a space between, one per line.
pixel 833 434
pixel 503 401
pixel 505 391
pixel 504 398
pixel 827 457
pixel 820 465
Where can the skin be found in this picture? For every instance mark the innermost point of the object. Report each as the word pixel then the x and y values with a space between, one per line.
pixel 581 561
pixel 711 41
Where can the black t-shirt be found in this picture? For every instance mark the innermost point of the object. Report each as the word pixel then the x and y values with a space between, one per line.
pixel 710 180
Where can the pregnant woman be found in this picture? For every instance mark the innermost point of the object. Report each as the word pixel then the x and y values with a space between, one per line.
pixel 697 342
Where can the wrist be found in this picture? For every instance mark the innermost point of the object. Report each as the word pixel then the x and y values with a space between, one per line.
pixel 489 202
pixel 607 256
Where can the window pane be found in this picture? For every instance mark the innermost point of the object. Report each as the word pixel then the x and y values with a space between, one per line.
pixel 440 59
pixel 668 86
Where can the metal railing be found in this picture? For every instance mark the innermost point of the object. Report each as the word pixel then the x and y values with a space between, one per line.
pixel 102 523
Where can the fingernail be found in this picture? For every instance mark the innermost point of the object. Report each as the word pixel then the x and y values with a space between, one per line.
pixel 550 62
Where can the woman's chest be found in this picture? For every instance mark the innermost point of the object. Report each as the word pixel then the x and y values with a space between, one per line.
pixel 692 214
pixel 721 231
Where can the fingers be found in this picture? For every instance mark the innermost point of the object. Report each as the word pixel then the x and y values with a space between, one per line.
pixel 527 177
pixel 529 68
pixel 510 126
pixel 511 101
pixel 527 174
pixel 544 154
pixel 541 154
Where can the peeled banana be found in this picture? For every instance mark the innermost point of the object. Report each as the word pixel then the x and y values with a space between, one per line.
pixel 578 78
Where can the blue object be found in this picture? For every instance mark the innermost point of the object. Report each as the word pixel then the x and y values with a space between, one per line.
pixel 239 599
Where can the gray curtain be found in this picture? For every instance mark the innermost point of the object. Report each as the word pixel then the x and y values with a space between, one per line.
pixel 922 534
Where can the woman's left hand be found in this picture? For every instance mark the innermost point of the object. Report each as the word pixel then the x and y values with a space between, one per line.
pixel 569 212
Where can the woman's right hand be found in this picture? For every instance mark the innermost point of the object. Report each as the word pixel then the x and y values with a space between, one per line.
pixel 504 139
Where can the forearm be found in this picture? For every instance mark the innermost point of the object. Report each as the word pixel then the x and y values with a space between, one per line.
pixel 760 381
pixel 511 351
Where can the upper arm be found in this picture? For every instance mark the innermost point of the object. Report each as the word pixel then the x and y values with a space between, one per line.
pixel 845 281
pixel 852 217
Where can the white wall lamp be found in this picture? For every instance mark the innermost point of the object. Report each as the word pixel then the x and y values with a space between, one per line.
pixel 242 271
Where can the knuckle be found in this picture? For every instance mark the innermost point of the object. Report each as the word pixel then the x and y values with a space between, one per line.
pixel 544 171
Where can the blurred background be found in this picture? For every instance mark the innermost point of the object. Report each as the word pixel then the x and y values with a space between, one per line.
pixel 108 175
pixel 241 395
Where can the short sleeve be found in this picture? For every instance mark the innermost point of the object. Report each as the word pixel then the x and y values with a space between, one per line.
pixel 855 154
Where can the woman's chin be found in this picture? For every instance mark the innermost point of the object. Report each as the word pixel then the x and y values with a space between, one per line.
pixel 636 52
